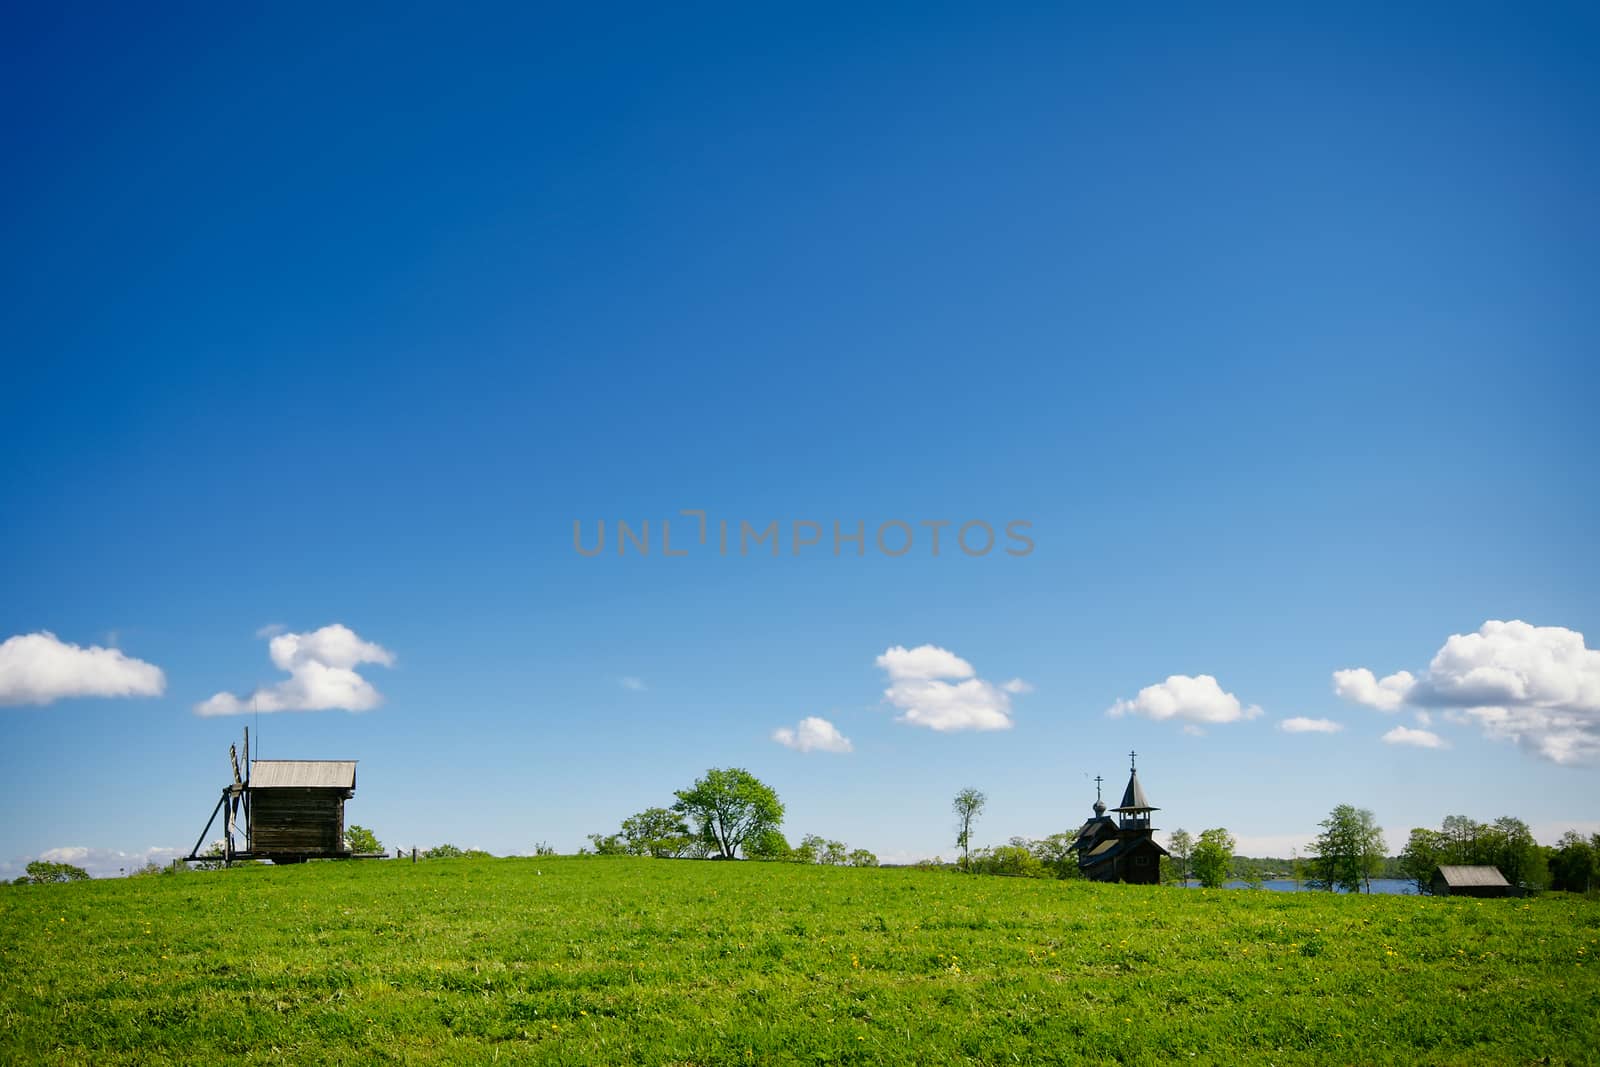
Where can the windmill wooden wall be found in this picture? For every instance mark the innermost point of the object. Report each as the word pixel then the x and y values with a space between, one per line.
pixel 297 806
pixel 296 821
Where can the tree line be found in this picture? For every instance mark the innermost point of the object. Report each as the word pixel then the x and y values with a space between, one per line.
pixel 729 813
pixel 1572 864
pixel 1351 851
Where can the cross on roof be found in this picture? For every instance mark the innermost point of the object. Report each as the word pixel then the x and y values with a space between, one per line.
pixel 1097 781
pixel 1132 766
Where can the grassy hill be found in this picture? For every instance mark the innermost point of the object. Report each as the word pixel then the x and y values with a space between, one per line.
pixel 638 961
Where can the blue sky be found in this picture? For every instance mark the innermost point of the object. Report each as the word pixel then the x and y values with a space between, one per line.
pixel 1278 327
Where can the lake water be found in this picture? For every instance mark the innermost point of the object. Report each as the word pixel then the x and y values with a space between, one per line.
pixel 1395 886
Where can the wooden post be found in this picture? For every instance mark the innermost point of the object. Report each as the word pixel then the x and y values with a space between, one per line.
pixel 413 853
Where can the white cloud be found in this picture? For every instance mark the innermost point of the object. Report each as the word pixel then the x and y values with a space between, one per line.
pixel 632 684
pixel 1537 686
pixel 1405 735
pixel 1302 725
pixel 74 854
pixel 321 666
pixel 1514 663
pixel 1555 734
pixel 271 629
pixel 813 734
pixel 924 661
pixel 1196 700
pixel 40 668
pixel 936 688
pixel 1361 686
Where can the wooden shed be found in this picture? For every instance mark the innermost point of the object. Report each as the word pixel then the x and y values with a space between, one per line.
pixel 296 807
pixel 1456 881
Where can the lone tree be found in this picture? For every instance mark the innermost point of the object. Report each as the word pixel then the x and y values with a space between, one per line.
pixel 968 806
pixel 360 839
pixel 1349 851
pixel 1181 845
pixel 1212 858
pixel 729 807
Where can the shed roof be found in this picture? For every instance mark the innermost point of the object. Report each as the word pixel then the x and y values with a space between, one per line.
pixel 303 774
pixel 1463 876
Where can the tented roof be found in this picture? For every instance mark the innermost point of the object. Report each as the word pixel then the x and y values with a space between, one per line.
pixel 1133 798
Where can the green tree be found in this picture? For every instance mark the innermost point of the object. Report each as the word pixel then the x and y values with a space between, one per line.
pixel 729 806
pixel 768 845
pixel 1054 852
pixel 658 832
pixel 360 839
pixel 1461 836
pixel 968 805
pixel 834 853
pixel 1512 848
pixel 1181 845
pixel 1008 861
pixel 1425 850
pixel 862 858
pixel 1349 851
pixel 44 872
pixel 1212 858
pixel 1575 867
pixel 214 858
pixel 443 852
pixel 808 850
pixel 609 845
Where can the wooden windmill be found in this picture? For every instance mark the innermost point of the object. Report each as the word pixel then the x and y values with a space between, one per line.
pixel 293 809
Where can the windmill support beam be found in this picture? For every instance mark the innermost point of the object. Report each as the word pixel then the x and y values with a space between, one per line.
pixel 194 853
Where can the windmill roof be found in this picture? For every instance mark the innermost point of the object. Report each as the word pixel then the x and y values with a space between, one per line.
pixel 1133 798
pixel 1463 876
pixel 303 774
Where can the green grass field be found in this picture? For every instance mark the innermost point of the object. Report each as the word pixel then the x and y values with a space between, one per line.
pixel 640 961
